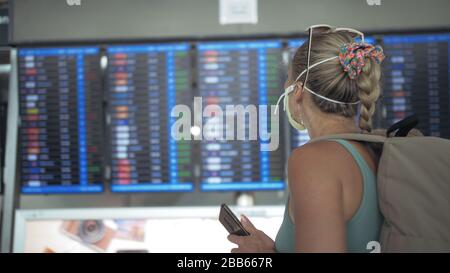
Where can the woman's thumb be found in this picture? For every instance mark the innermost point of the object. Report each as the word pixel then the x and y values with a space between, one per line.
pixel 247 224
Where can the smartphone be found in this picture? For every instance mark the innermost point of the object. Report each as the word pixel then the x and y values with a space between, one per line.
pixel 231 222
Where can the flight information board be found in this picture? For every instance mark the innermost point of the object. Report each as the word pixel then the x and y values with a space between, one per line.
pixel 416 80
pixel 242 73
pixel 144 83
pixel 61 119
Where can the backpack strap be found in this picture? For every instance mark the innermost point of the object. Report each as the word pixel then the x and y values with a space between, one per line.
pixel 373 142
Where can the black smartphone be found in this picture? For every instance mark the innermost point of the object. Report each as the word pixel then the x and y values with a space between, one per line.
pixel 231 222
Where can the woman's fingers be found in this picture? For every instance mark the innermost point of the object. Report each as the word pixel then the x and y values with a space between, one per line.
pixel 235 239
pixel 247 224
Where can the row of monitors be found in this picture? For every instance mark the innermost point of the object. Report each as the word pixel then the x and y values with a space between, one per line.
pixel 65 145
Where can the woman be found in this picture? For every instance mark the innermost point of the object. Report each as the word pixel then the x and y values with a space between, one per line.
pixel 332 205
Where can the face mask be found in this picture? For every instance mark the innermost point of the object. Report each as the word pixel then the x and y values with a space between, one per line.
pixel 292 121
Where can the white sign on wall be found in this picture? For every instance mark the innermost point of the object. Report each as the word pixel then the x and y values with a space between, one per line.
pixel 238 12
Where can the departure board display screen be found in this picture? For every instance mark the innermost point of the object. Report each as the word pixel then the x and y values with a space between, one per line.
pixel 144 83
pixel 416 80
pixel 61 120
pixel 245 73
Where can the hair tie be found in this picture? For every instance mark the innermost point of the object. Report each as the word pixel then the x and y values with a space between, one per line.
pixel 352 57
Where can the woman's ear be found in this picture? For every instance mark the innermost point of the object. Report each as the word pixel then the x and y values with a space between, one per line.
pixel 298 92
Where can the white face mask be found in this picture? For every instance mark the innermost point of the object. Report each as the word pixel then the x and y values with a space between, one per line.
pixel 297 125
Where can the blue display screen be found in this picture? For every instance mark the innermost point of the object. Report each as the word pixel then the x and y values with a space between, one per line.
pixel 145 82
pixel 245 73
pixel 416 81
pixel 61 119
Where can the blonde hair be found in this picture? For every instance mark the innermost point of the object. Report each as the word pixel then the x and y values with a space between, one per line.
pixel 330 80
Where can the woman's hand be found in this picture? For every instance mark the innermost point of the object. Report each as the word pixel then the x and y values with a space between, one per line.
pixel 258 241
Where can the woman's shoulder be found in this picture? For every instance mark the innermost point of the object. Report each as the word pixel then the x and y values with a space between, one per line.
pixel 319 159
pixel 318 150
pixel 326 158
pixel 316 172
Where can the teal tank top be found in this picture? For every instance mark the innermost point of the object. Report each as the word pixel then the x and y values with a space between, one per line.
pixel 362 228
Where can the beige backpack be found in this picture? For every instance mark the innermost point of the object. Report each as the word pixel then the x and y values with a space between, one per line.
pixel 413 181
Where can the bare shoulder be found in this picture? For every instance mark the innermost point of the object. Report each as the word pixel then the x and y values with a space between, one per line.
pixel 322 160
pixel 312 153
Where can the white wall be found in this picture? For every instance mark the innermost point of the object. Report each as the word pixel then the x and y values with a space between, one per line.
pixel 36 20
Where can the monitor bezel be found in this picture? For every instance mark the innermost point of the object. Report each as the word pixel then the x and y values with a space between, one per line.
pixel 22 216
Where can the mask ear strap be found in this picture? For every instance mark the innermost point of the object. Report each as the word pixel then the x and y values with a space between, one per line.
pixel 331 100
pixel 291 88
pixel 288 90
pixel 278 103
